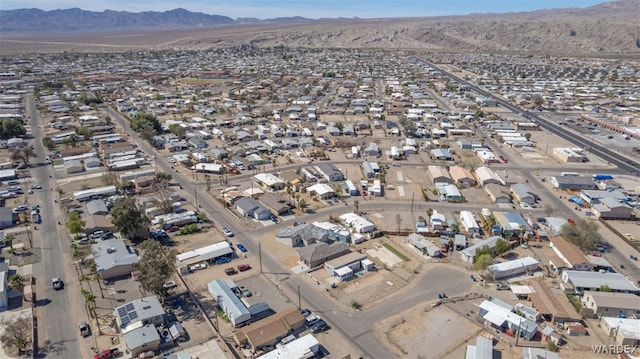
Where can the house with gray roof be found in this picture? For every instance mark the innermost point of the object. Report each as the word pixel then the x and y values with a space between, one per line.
pixel 147 310
pixel 316 254
pixel 222 291
pixel 142 339
pixel 573 182
pixel 302 235
pixel 73 166
pixel 97 206
pixel 113 258
pixel 579 282
pixel 330 172
pixel 249 207
pixel 523 193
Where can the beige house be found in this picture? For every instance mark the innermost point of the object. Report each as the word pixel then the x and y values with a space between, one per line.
pixel 462 176
pixel 439 174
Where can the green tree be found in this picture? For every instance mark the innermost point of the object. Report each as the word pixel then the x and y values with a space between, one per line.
pixel 9 238
pixel 16 282
pixel 483 261
pixel 83 131
pixel 538 100
pixel 130 220
pixel 48 143
pixel 74 223
pixel 302 204
pixel 89 302
pixel 17 333
pixel 163 178
pixel 156 265
pixel 11 128
pixel 527 135
pixel 502 246
pixel 146 124
pixel 605 288
pixel 584 234
pixel 177 130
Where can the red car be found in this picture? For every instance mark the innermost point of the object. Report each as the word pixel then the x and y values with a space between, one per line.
pixel 571 221
pixel 244 267
pixel 108 354
pixel 172 229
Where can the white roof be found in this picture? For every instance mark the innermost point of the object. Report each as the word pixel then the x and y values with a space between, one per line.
pixel 296 349
pixel 627 328
pixel 513 264
pixel 205 253
pixel 321 188
pixel 268 179
pixel 615 281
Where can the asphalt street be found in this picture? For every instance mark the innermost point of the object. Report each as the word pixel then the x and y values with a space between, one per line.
pixel 57 311
pixel 356 326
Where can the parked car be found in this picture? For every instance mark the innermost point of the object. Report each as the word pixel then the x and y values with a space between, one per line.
pixel 83 240
pixel 241 247
pixel 169 284
pixel 21 208
pixel 108 354
pixel 633 257
pixel 244 267
pixel 57 283
pixel 571 221
pixel 85 330
pixel 96 234
pixel 223 260
pixel 305 312
pixel 36 186
pixel 245 292
pixel 198 266
pixel 273 219
pixel 227 232
pixel 107 235
pixel 230 271
pixel 502 286
pixel 172 229
pixel 311 320
pixel 318 327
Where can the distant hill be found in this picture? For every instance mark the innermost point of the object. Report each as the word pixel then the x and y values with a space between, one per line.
pixel 607 29
pixel 36 20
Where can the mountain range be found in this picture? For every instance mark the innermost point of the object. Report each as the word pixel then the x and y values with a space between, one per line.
pixel 610 28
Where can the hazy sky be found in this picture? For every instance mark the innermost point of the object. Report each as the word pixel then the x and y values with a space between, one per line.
pixel 264 9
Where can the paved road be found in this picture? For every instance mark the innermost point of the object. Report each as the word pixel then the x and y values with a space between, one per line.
pixel 356 326
pixel 617 159
pixel 58 313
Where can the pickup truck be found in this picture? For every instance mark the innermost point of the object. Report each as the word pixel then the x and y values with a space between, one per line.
pixel 108 354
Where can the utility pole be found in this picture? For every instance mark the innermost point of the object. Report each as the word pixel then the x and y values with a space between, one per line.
pixel 299 303
pixel 195 193
pixel 260 255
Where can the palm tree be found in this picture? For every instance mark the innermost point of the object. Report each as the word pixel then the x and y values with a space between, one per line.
pixel 16 282
pixel 9 238
pixel 89 301
pixel 302 203
pixel 356 205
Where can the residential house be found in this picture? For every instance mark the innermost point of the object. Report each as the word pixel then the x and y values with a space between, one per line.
pixel 97 206
pixel 249 207
pixel 316 254
pixel 523 193
pixel 329 171
pixel 498 193
pixel 321 190
pixel 276 202
pixel 266 333
pixel 573 182
pixel 302 235
pixel 610 208
pixel 605 304
pixel 147 310
pixel 142 339
pixel 486 175
pixel 462 176
pixel 439 174
pixel 580 281
pixel 223 292
pixel 270 181
pixel 572 257
pixel 442 154
pixel 113 258
pixel 468 254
